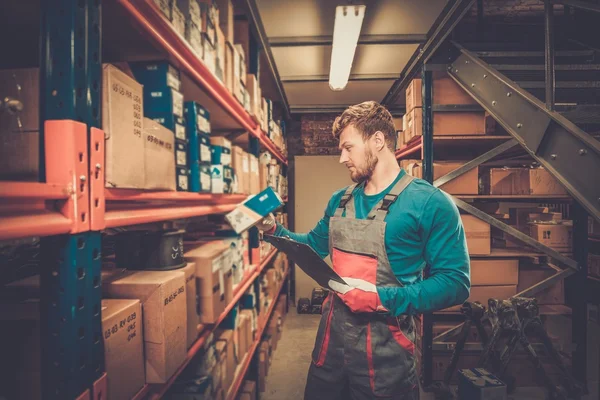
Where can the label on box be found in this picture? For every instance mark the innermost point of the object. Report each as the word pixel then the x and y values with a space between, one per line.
pixel 217 182
pixel 253 165
pixel 180 131
pixel 205 153
pixel 173 78
pixel 203 123
pixel 182 180
pixel 225 158
pixel 181 157
pixel 228 173
pixel 177 103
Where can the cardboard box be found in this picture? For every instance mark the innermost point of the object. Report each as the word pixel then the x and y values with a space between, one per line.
pixel 555 294
pixel 226 337
pixel 226 15
pixel 122 122
pixel 242 37
pixel 164 7
pixel 177 20
pixel 122 329
pixel 254 177
pixel 467 183
pixel 162 101
pixel 253 210
pixel 399 139
pixel 414 95
pixel 220 47
pixel 208 26
pixel 263 176
pixel 19 152
pixel 181 151
pixel 461 123
pixel 524 181
pixel 414 124
pixel 164 311
pixel 478 235
pixel 191 10
pixel 594 265
pixel 557 236
pixel 183 175
pixel 193 313
pixel 242 54
pixel 159 158
pixel 209 55
pixel 494 272
pixel 220 155
pixel 263 364
pixel 479 384
pixel 211 269
pixel 249 388
pixel 217 179
pixel 229 67
pixel 239 161
pixel 253 87
pixel 221 353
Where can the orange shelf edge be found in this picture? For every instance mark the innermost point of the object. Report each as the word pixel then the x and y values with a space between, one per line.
pixel 34 224
pixel 116 218
pixel 156 391
pixel 144 195
pixel 410 148
pixel 34 190
pixel 237 383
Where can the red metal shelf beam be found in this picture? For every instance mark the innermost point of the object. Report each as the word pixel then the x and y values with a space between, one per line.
pixel 410 148
pixel 237 383
pixel 146 196
pixel 156 391
pixel 150 19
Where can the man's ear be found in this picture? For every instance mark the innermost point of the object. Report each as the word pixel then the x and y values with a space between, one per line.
pixel 379 140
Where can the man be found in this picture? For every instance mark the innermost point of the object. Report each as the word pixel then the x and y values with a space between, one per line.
pixel 381 232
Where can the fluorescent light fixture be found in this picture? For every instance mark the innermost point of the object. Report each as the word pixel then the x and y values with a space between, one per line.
pixel 348 21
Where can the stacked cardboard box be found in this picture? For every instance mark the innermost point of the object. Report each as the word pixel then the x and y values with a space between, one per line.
pixel 467 183
pixel 199 154
pixel 523 181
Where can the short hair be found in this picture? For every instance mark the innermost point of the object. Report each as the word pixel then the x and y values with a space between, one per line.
pixel 367 117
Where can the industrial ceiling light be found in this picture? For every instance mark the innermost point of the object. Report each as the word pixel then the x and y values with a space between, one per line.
pixel 348 21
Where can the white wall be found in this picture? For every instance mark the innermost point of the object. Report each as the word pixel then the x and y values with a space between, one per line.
pixel 315 180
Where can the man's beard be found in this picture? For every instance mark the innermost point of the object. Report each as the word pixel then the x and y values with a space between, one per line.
pixel 364 174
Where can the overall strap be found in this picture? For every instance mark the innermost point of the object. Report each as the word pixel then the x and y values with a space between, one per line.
pixel 380 210
pixel 344 200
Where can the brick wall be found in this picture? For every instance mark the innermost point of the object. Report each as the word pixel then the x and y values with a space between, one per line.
pixel 310 134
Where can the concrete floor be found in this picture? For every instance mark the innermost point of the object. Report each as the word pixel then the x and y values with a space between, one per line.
pixel 287 374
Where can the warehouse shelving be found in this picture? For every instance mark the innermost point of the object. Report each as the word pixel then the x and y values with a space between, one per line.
pixel 452 144
pixel 212 93
pixel 241 372
pixel 156 391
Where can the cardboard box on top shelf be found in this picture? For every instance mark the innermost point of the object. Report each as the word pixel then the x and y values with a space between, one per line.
pixel 211 270
pixel 229 74
pixel 555 294
pixel 122 331
pixel 478 235
pixel 242 37
pixel 413 95
pixel 239 157
pixel 122 122
pixel 209 55
pixel 220 48
pixel 193 315
pixel 164 311
pixel 19 151
pixel 208 25
pixel 156 74
pixel 399 139
pixel 414 124
pixel 447 92
pixel 193 35
pixel 494 272
pixel 242 63
pixel 467 183
pixel 253 87
pixel 163 6
pixel 226 16
pixel 177 19
pixel 159 158
pixel 462 123
pixel 191 11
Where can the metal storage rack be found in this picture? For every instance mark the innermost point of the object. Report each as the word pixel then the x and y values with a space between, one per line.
pixel 551 139
pixel 70 207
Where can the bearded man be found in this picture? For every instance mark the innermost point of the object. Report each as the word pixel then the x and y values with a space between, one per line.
pixel 381 233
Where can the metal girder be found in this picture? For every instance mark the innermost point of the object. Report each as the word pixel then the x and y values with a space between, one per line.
pixel 441 28
pixel 327 40
pixel 567 152
pixel 263 40
pixel 352 77
pixel 475 162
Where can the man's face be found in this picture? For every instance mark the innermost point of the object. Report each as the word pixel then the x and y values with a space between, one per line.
pixel 358 155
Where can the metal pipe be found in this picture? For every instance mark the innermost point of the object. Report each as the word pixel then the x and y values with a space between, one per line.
pixel 549 53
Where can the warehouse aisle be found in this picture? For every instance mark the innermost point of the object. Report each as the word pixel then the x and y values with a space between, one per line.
pixel 287 374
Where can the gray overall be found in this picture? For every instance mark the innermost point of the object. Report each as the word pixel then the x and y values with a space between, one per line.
pixel 361 353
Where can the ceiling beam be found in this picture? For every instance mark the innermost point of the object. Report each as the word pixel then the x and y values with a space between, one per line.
pixel 263 40
pixel 450 16
pixel 325 78
pixel 397 109
pixel 578 4
pixel 296 41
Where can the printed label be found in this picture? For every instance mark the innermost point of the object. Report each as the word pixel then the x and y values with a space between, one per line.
pixel 245 165
pixel 159 142
pixel 174 295
pixel 173 80
pixel 226 158
pixel 183 181
pixel 177 103
pixel 137 106
pixel 203 124
pixel 180 131
pixel 254 165
pixel 204 153
pixel 128 323
pixel 221 283
pixel 181 158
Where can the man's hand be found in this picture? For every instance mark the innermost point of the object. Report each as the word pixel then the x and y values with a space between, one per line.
pixel 268 223
pixel 358 295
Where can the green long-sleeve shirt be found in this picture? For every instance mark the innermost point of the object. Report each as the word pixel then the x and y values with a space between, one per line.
pixel 423 227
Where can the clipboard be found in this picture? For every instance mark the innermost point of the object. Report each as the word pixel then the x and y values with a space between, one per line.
pixel 307 259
